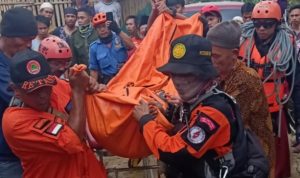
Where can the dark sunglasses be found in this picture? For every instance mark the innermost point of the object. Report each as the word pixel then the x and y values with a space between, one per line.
pixel 265 24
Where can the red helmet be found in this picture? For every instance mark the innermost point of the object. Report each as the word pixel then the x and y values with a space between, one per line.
pixel 99 18
pixel 210 8
pixel 55 48
pixel 267 10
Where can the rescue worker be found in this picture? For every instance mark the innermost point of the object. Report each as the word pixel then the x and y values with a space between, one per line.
pixel 57 53
pixel 212 14
pixel 242 82
pixel 269 49
pixel 201 137
pixel 109 53
pixel 41 131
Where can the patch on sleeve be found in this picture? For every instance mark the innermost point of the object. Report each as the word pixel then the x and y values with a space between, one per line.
pixel 54 129
pixel 42 124
pixel 196 135
pixel 208 124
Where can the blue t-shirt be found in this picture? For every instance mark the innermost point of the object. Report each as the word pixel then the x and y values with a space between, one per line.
pixel 107 59
pixel 5 96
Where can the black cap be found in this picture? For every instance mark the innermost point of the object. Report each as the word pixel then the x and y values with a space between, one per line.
pixel 30 70
pixel 190 54
pixel 18 22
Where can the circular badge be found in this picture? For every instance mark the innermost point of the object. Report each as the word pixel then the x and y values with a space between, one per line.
pixel 179 50
pixel 33 67
pixel 196 135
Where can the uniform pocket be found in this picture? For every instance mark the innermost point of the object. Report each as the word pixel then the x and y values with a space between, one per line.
pixel 103 60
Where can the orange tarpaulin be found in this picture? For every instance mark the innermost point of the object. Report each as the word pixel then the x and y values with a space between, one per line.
pixel 110 113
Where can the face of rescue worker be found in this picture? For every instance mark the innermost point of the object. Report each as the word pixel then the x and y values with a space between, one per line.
pixel 47 12
pixel 15 44
pixel 70 20
pixel 42 30
pixel 38 99
pixel 294 17
pixel 223 60
pixel 187 86
pixel 102 30
pixel 264 28
pixel 247 16
pixel 131 26
pixel 59 66
pixel 212 20
pixel 83 18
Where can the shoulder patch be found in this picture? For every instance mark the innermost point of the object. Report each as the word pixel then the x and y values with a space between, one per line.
pixel 196 135
pixel 208 122
pixel 41 124
pixel 54 129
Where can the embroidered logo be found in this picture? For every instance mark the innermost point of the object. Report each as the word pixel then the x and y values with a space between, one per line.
pixel 196 135
pixel 179 51
pixel 33 67
pixel 208 122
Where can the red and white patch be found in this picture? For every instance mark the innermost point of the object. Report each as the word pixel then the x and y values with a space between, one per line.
pixel 33 67
pixel 54 129
pixel 196 135
pixel 208 122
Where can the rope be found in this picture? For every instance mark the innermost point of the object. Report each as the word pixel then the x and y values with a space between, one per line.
pixel 282 56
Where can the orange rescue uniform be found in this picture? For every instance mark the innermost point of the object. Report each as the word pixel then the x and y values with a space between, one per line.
pixel 208 132
pixel 46 145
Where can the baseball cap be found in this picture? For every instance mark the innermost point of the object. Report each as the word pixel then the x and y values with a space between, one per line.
pixel 190 54
pixel 29 70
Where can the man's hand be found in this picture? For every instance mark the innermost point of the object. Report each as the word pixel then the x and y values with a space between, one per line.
pixel 79 80
pixel 140 110
pixel 162 7
pixel 154 106
pixel 95 87
pixel 175 100
pixel 154 6
pixel 113 26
